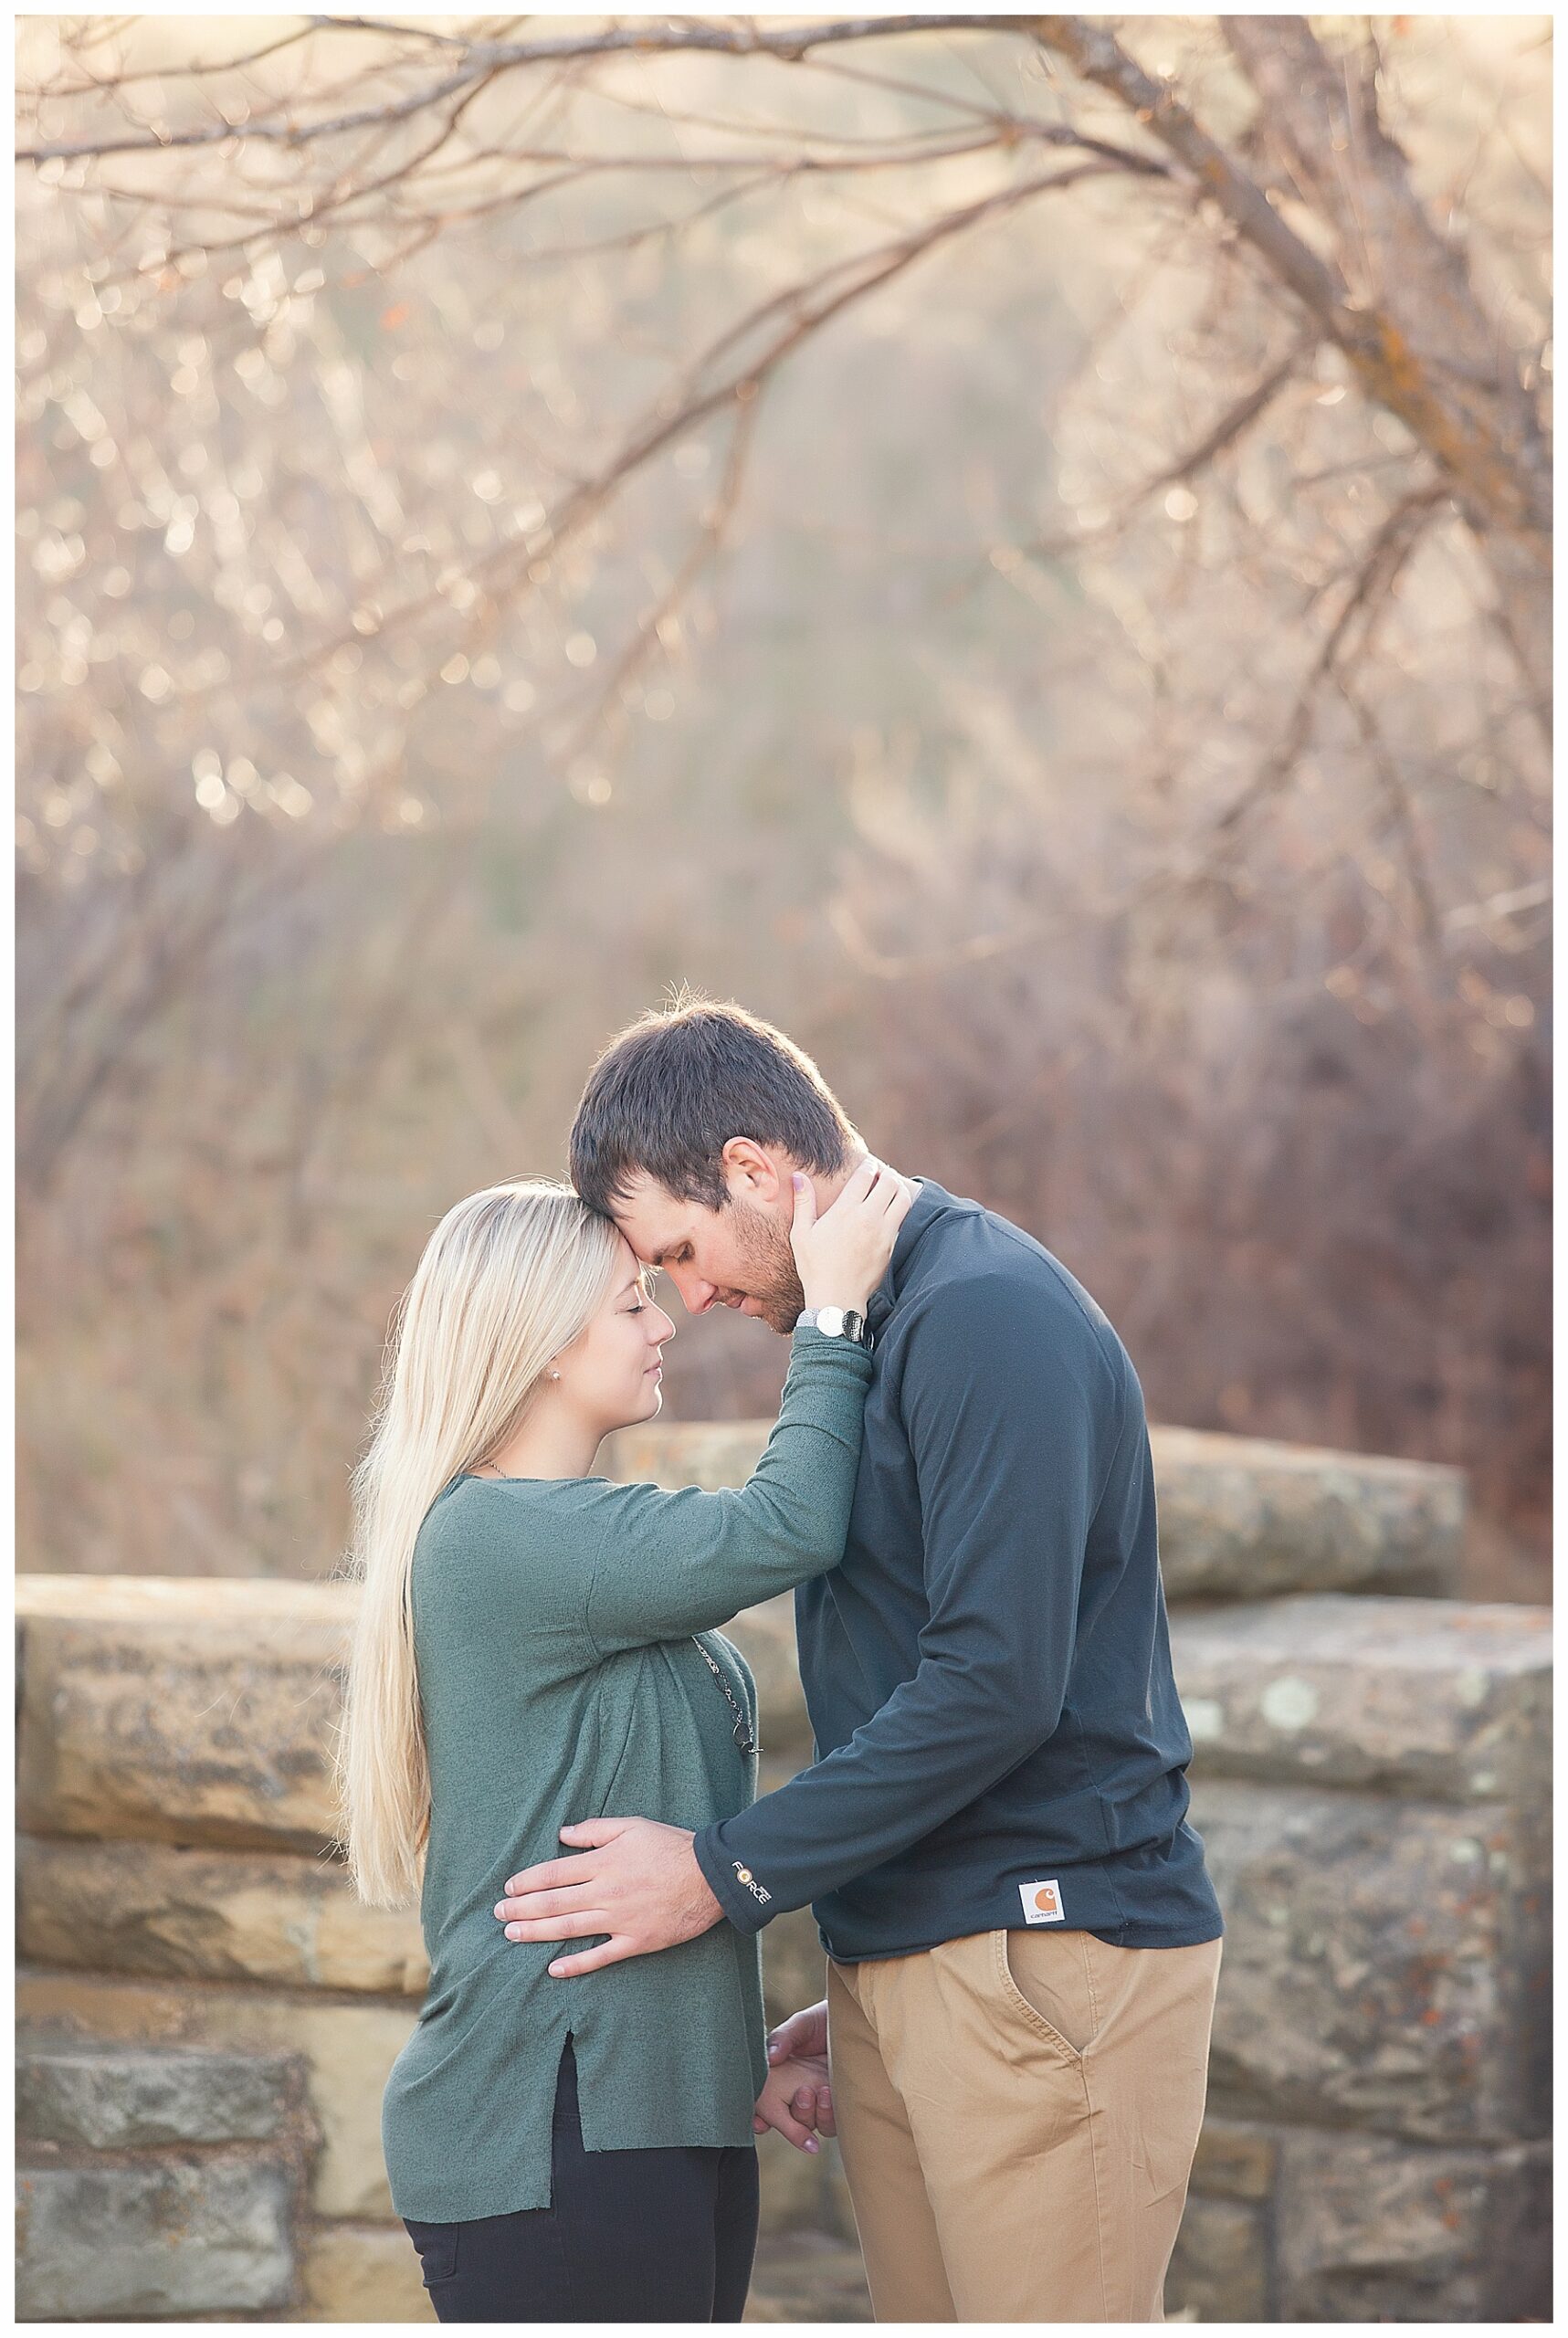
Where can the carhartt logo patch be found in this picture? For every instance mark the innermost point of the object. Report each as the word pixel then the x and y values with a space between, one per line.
pixel 1042 1903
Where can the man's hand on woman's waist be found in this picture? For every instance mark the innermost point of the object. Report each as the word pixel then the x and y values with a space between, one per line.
pixel 633 1879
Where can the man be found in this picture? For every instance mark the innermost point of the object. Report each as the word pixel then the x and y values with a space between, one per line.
pixel 1023 1941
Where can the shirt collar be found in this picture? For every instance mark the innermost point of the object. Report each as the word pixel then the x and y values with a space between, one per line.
pixel 928 1201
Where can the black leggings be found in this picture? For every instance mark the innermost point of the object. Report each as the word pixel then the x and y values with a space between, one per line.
pixel 633 2235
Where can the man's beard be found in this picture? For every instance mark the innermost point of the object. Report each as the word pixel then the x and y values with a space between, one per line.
pixel 773 1279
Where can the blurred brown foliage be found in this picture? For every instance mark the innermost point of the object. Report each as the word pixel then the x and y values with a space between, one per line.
pixel 533 545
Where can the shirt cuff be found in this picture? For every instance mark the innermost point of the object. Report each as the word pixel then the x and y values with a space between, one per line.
pixel 744 1897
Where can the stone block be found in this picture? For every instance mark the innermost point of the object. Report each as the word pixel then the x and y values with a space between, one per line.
pixel 111 2098
pixel 1371 2230
pixel 360 2274
pixel 1235 2163
pixel 1219 2268
pixel 838 2207
pixel 152 2239
pixel 1372 1971
pixel 795 1965
pixel 1246 1518
pixel 196 1711
pixel 710 1454
pixel 1240 1517
pixel 804 2190
pixel 346 2044
pixel 163 1909
pixel 807 2277
pixel 1433 1698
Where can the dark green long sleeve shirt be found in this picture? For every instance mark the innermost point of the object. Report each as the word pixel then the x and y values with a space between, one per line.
pixel 553 1626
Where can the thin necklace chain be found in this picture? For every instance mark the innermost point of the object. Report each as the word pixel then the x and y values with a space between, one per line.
pixel 743 1729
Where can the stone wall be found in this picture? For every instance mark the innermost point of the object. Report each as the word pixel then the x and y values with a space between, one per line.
pixel 208 2015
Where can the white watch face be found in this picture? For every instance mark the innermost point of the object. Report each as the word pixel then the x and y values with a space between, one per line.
pixel 831 1321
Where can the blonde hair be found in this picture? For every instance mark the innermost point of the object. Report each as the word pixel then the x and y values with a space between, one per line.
pixel 509 1277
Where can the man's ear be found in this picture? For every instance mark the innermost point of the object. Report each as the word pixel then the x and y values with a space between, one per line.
pixel 752 1171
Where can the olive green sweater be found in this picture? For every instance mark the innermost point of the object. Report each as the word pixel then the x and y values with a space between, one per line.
pixel 553 1624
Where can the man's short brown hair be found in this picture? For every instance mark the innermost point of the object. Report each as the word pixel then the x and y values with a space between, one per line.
pixel 671 1090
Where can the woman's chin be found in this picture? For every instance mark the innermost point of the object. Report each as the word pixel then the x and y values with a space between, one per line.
pixel 653 1400
pixel 647 1405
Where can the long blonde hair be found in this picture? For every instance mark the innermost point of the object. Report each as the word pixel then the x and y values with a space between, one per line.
pixel 509 1277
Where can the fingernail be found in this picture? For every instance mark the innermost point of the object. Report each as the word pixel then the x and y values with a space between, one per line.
pixel 558 1972
pixel 811 2143
pixel 775 2051
pixel 796 1180
pixel 514 1932
pixel 500 1907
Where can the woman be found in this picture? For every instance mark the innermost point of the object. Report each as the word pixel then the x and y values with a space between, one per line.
pixel 536 1645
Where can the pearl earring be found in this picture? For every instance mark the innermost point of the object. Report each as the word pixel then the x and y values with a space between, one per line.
pixel 555 1375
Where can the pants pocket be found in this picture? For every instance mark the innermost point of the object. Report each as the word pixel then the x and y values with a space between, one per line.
pixel 1155 2048
pixel 1044 1982
pixel 438 2247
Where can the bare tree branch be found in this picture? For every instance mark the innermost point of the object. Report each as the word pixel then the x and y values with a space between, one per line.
pixel 1232 424
pixel 1323 121
pixel 806 307
pixel 1501 495
pixel 1367 600
pixel 736 39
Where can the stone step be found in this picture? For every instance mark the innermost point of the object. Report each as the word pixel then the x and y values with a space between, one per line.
pixel 360 2274
pixel 1431 1698
pixel 151 2241
pixel 1247 1518
pixel 161 1911
pixel 804 2190
pixel 344 2049
pixel 807 2277
pixel 1386 1965
pixel 345 2046
pixel 190 1710
pixel 1367 2231
pixel 1220 2269
pixel 1441 1698
pixel 179 1710
pixel 210 1914
pixel 111 2098
pixel 1309 2224
pixel 1240 1517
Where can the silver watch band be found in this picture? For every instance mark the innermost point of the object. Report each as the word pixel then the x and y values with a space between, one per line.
pixel 836 1324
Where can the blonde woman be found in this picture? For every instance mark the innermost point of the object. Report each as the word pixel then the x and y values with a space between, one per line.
pixel 537 1646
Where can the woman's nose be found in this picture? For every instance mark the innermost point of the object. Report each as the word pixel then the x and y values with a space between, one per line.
pixel 669 1331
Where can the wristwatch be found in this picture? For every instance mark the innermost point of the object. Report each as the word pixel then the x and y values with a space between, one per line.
pixel 836 1324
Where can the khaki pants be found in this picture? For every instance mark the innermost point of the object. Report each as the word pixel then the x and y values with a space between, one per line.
pixel 1017 2111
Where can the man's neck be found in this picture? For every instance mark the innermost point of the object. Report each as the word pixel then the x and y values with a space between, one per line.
pixel 829 1186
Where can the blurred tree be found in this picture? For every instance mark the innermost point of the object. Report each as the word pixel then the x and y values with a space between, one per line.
pixel 1118 744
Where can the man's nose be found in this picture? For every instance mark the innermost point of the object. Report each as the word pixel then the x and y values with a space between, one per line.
pixel 696 1295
